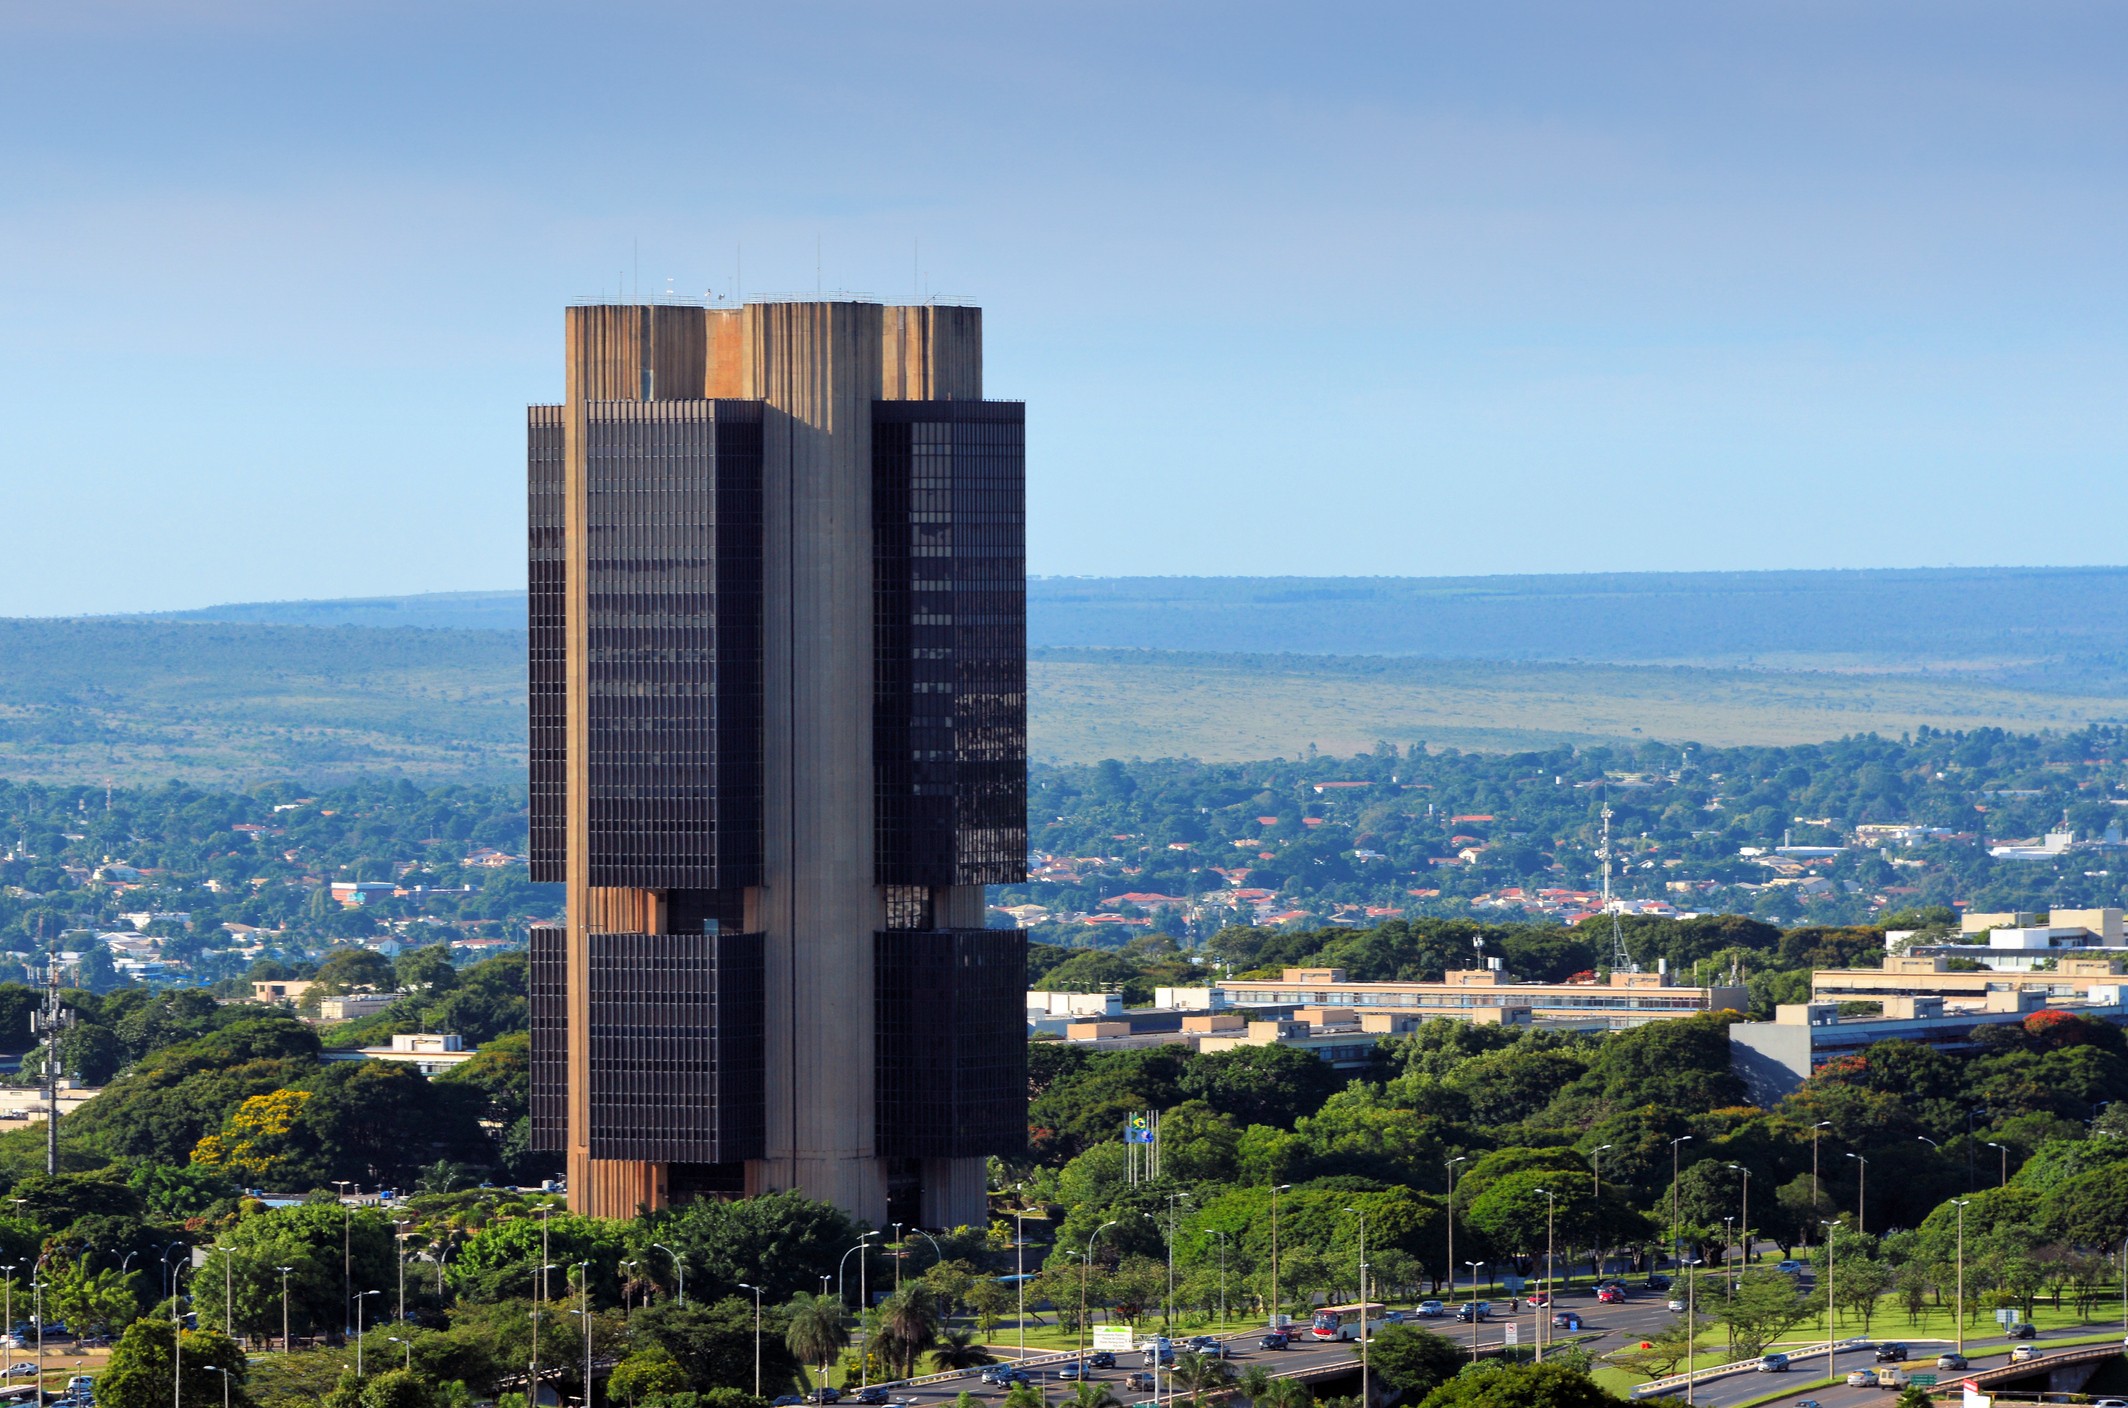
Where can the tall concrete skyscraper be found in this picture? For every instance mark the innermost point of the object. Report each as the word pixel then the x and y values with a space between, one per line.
pixel 779 746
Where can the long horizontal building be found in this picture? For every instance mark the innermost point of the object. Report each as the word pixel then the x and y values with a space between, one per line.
pixel 1773 1058
pixel 1931 975
pixel 1470 994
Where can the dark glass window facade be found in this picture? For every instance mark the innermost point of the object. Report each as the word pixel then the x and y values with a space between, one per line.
pixel 546 600
pixel 673 585
pixel 676 1040
pixel 951 1042
pixel 949 552
pixel 550 1038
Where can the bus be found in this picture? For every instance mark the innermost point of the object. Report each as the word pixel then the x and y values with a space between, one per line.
pixel 1343 1322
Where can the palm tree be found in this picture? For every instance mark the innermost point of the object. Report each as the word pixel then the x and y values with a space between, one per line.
pixel 818 1331
pixel 908 1325
pixel 1254 1383
pixel 1085 1395
pixel 1200 1372
pixel 959 1349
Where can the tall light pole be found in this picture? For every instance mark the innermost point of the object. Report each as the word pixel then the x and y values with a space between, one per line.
pixel 1169 1314
pixel 583 1301
pixel 757 1340
pixel 1969 1117
pixel 407 1345
pixel 1086 1270
pixel 1596 1191
pixel 1473 1265
pixel 1365 1401
pixel 1551 1295
pixel 284 1270
pixel 864 1243
pixel 1959 1204
pixel 897 1258
pixel 347 1243
pixel 1831 1373
pixel 1681 1139
pixel 2005 1162
pixel 1019 1267
pixel 1744 1214
pixel 7 1341
pixel 1815 1130
pixel 1691 1270
pixel 358 1331
pixel 1222 1236
pixel 1861 1194
pixel 679 1267
pixel 1276 1189
pixel 217 1369
pixel 1464 1159
pixel 537 1302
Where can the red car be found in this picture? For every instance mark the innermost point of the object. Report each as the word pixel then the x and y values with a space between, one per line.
pixel 1610 1295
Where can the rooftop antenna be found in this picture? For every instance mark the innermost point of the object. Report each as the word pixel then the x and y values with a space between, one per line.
pixel 1621 961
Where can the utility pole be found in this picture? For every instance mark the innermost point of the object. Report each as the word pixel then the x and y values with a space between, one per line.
pixel 1814 1131
pixel 284 1307
pixel 1551 1294
pixel 1681 1139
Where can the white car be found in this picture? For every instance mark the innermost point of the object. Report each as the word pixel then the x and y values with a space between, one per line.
pixel 2024 1353
pixel 1677 1307
pixel 1861 1378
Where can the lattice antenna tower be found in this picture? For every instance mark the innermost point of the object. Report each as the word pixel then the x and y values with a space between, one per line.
pixel 1621 961
pixel 51 1023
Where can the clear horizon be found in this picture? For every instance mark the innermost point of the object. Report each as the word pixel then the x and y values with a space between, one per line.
pixel 1402 292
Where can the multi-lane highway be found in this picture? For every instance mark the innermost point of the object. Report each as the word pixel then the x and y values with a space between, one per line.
pixel 1604 1328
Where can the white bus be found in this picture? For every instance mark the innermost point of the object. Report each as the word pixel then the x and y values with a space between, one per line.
pixel 1343 1322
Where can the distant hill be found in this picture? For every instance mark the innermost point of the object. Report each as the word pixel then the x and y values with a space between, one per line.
pixel 2002 616
pixel 1216 668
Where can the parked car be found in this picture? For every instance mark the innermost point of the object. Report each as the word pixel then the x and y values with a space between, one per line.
pixel 1861 1378
pixel 26 1367
pixel 2024 1354
pixel 1567 1320
pixel 2021 1332
pixel 1773 1364
pixel 1890 1353
pixel 1103 1359
pixel 1951 1359
pixel 80 1385
pixel 1432 1309
pixel 1274 1340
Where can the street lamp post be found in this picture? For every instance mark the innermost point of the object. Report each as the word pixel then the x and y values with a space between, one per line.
pixel 757 1338
pixel 7 1342
pixel 1551 1294
pixel 1278 1188
pixel 1365 1401
pixel 218 1369
pixel 1960 1203
pixel 1691 1270
pixel 407 1345
pixel 1086 1270
pixel 1744 1213
pixel 1596 1189
pixel 1681 1139
pixel 358 1328
pixel 284 1270
pixel 1473 1265
pixel 1728 1236
pixel 2005 1162
pixel 679 1268
pixel 583 1302
pixel 1452 1228
pixel 1019 1268
pixel 1861 1194
pixel 1168 1315
pixel 1830 1371
pixel 1222 1236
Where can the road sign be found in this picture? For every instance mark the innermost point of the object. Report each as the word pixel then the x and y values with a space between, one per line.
pixel 1114 1338
pixel 1925 1380
pixel 1513 1334
pixel 2007 1315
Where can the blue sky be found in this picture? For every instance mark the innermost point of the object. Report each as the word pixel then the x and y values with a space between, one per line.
pixel 1407 288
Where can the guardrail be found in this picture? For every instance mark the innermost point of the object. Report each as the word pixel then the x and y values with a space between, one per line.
pixel 1032 1361
pixel 1656 1388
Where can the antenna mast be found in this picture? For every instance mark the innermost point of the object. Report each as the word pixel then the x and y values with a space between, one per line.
pixel 1621 961
pixel 51 1022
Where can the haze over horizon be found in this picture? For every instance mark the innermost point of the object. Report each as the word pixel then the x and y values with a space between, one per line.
pixel 1371 290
